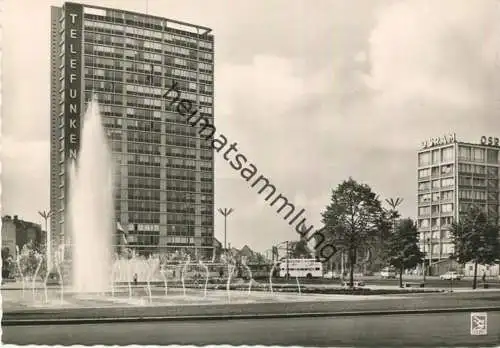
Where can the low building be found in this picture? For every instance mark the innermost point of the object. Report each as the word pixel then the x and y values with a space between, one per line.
pixel 17 232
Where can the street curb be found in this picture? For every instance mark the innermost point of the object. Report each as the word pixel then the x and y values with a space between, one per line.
pixel 108 320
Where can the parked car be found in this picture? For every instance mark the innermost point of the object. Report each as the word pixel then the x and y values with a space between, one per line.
pixel 331 275
pixel 53 279
pixel 356 284
pixel 451 276
pixel 388 273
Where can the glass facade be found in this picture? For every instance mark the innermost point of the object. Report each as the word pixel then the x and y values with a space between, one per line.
pixel 450 180
pixel 164 182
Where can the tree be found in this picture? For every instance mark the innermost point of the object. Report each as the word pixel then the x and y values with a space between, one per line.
pixel 301 250
pixel 7 263
pixel 402 250
pixel 475 238
pixel 353 220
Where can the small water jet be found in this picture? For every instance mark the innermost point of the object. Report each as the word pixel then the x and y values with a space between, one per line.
pixel 58 262
pixel 150 265
pixel 271 276
pixel 183 273
pixel 244 263
pixel 298 285
pixel 207 275
pixel 164 276
pixel 129 277
pixel 18 263
pixel 40 259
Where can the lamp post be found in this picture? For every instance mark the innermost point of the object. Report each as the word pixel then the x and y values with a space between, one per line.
pixel 225 212
pixel 46 215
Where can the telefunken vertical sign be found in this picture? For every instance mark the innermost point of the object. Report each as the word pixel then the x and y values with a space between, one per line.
pixel 72 78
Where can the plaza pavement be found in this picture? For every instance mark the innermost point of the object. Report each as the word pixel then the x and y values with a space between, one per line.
pixel 89 309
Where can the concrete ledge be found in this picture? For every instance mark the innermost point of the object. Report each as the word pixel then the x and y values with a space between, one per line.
pixel 73 321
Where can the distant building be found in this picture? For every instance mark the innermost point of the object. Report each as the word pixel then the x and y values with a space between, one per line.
pixel 452 176
pixel 16 232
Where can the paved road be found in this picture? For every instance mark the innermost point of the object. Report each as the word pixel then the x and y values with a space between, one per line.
pixel 431 330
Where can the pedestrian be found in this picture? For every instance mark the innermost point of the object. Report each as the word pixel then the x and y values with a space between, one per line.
pixel 484 277
pixel 135 278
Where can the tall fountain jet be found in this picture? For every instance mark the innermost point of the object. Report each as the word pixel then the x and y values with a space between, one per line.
pixel 91 209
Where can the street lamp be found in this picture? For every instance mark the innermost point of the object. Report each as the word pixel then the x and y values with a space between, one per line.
pixel 225 212
pixel 46 215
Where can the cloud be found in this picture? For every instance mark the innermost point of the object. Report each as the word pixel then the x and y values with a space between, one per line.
pixel 310 96
pixel 434 52
pixel 25 177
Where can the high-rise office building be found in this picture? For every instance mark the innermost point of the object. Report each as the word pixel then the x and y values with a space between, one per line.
pixel 453 176
pixel 164 192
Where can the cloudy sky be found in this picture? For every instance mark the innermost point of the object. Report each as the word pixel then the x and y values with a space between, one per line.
pixel 312 92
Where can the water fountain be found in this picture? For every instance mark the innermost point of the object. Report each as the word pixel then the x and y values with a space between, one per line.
pixel 40 259
pixel 129 277
pixel 271 276
pixel 91 207
pixel 244 263
pixel 183 273
pixel 89 221
pixel 18 263
pixel 298 285
pixel 150 268
pixel 58 262
pixel 231 266
pixel 206 277
pixel 163 270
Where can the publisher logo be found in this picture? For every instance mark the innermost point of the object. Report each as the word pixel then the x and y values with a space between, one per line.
pixel 478 324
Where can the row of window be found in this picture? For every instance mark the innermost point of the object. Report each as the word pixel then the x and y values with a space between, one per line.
pixel 436 209
pixel 435 222
pixel 153 46
pixel 133 75
pixel 158 195
pixel 446 154
pixel 152 241
pixel 155 161
pixel 490 209
pixel 478 169
pixel 436 197
pixel 436 184
pixel 206 166
pixel 478 195
pixel 467 153
pixel 434 171
pixel 491 184
pixel 143 114
pixel 129 58
pixel 146 34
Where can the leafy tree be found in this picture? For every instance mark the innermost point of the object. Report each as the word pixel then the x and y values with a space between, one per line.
pixel 475 238
pixel 402 250
pixel 32 261
pixel 7 263
pixel 301 250
pixel 353 220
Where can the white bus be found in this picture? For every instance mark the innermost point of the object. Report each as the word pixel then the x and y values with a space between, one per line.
pixel 302 268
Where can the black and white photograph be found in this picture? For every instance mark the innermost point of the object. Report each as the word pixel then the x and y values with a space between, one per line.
pixel 284 173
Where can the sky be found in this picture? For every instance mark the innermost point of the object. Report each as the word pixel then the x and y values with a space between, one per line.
pixel 312 92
